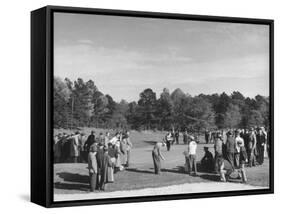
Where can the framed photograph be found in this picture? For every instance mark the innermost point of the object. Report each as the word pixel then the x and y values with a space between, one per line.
pixel 134 106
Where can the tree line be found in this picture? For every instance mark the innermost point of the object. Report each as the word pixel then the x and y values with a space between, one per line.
pixel 80 104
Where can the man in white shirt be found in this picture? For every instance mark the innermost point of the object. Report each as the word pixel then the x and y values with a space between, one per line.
pixel 192 146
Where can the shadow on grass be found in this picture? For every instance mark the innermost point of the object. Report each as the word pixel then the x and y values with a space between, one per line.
pixel 73 177
pixel 67 186
pixel 139 170
pixel 151 142
pixel 210 177
pixel 178 169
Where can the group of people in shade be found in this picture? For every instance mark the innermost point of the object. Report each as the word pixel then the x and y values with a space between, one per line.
pixel 104 154
pixel 233 150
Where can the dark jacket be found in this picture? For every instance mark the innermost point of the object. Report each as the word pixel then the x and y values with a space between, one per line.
pixel 90 141
pixel 230 144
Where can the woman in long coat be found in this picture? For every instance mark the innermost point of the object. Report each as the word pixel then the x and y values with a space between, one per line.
pixel 157 156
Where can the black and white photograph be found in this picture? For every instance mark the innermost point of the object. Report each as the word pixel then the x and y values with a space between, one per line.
pixel 147 106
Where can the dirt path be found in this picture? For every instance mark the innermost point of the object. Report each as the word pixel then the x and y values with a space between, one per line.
pixel 175 189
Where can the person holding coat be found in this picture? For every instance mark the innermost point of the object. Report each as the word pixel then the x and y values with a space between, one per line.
pixel 157 156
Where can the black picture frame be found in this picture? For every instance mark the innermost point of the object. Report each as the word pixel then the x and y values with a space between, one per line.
pixel 41 103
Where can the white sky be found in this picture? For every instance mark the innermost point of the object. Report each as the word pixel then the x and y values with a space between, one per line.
pixel 125 55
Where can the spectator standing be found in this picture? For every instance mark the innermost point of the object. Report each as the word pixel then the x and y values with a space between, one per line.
pixel 261 143
pixel 129 146
pixel 240 149
pixel 103 163
pixel 230 148
pixel 157 156
pixel 93 168
pixel 185 137
pixel 251 148
pixel 177 134
pixel 192 147
pixel 169 140
pixel 218 146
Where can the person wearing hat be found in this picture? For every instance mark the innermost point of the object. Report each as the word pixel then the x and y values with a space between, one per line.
pixel 192 147
pixel 207 162
pixel 157 156
pixel 93 168
pixel 230 148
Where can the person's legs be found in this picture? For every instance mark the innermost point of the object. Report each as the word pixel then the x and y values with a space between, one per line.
pixel 250 158
pixel 128 158
pixel 230 158
pixel 98 181
pixel 158 165
pixel 186 164
pixel 236 159
pixel 222 175
pixel 262 155
pixel 93 181
pixel 168 145
pixel 189 164
pixel 194 164
pixel 103 179
pixel 216 163
pixel 254 160
pixel 154 163
pixel 243 173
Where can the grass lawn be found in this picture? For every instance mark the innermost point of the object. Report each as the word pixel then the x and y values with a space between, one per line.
pixel 73 178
